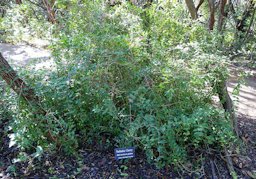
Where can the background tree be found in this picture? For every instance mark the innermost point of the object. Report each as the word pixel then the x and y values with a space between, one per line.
pixel 49 4
pixel 18 1
pixel 192 9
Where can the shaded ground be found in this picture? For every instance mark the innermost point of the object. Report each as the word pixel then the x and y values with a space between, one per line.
pixel 245 106
pixel 101 164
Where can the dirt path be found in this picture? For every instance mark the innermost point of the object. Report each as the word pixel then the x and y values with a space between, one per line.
pixel 245 106
pixel 245 102
pixel 23 55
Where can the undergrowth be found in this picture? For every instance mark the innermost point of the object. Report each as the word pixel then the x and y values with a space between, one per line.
pixel 24 23
pixel 136 77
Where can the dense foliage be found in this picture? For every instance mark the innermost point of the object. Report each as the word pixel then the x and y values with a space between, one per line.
pixel 125 76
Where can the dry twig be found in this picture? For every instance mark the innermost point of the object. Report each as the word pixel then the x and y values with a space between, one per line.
pixel 230 164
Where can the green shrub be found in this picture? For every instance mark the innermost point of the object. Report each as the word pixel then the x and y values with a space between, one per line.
pixel 135 83
pixel 24 22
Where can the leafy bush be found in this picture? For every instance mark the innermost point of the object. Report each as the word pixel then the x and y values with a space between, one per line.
pixel 141 85
pixel 24 23
pixel 167 140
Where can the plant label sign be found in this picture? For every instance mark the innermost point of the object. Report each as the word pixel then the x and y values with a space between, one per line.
pixel 123 153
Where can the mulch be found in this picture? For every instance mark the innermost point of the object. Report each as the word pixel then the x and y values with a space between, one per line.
pixel 102 164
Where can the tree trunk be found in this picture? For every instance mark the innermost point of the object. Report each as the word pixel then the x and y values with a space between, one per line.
pixel 227 104
pixel 199 4
pixel 16 83
pixel 212 14
pixel 222 14
pixel 192 9
pixel 50 10
pixel 18 1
